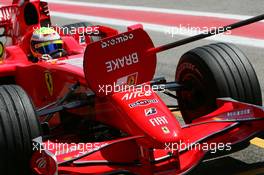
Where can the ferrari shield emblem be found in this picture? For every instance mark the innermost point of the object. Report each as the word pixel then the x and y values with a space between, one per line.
pixel 49 82
pixel 132 79
pixel 165 130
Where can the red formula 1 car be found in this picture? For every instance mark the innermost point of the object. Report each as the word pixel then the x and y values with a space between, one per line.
pixel 97 110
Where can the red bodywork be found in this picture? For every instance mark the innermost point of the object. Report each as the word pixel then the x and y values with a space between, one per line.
pixel 150 146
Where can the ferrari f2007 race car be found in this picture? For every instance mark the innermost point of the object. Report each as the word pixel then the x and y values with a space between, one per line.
pixel 97 109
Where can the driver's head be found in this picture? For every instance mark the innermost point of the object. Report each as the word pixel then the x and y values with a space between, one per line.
pixel 46 43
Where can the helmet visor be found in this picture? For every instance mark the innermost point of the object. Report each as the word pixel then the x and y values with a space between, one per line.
pixel 48 47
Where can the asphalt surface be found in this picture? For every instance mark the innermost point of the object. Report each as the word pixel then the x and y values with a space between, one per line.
pixel 250 160
pixel 242 7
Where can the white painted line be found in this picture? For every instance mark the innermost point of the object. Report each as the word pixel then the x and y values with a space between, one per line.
pixel 152 9
pixel 160 28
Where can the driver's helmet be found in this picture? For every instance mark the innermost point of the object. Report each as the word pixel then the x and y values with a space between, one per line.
pixel 46 43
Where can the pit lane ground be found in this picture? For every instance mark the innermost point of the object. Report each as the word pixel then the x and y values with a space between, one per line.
pixel 245 162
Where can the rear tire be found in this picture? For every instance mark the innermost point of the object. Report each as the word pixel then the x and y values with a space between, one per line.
pixel 19 125
pixel 214 71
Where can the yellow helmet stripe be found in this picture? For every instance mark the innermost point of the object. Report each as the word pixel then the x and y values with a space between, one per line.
pixel 47 43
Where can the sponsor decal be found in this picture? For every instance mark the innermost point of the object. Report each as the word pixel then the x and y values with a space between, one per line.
pixel 132 95
pixel 41 162
pixel 117 40
pixel 165 129
pixel 188 66
pixel 132 79
pixel 49 82
pixel 122 62
pixel 157 121
pixel 238 113
pixel 82 39
pixel 143 103
pixel 244 114
pixel 128 80
pixel 150 111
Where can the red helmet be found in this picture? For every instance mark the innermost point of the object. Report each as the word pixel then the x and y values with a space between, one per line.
pixel 46 42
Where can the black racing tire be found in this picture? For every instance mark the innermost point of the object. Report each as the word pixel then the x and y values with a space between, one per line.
pixel 82 24
pixel 19 125
pixel 215 71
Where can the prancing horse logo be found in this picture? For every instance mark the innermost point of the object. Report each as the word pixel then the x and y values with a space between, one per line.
pixel 49 82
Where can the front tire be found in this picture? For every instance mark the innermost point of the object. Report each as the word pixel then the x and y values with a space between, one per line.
pixel 214 71
pixel 19 125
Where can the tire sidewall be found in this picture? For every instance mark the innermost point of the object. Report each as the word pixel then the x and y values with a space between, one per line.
pixel 198 104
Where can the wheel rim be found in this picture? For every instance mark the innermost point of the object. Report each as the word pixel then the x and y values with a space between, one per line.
pixel 197 99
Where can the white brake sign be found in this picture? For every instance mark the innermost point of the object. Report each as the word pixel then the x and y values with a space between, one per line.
pixel 121 62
